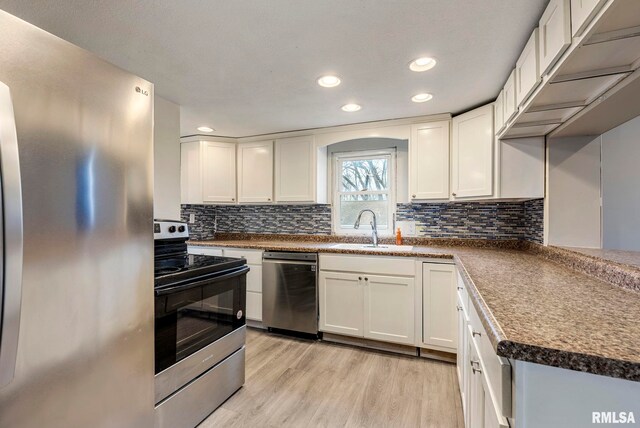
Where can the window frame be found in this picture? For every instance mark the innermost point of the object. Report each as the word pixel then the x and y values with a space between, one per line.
pixel 338 157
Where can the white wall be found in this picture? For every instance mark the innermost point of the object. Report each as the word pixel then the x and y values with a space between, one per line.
pixel 621 186
pixel 573 216
pixel 166 156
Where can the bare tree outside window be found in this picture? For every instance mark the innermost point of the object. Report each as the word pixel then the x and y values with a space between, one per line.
pixel 364 183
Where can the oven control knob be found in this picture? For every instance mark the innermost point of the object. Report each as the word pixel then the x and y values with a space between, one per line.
pixel 239 314
pixel 181 228
pixel 172 229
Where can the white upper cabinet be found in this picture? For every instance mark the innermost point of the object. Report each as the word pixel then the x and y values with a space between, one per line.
pixel 582 11
pixel 509 103
pixel 190 173
pixel 472 153
pixel 255 172
pixel 555 33
pixel 429 161
pixel 219 172
pixel 207 172
pixel 498 118
pixel 298 170
pixel 527 70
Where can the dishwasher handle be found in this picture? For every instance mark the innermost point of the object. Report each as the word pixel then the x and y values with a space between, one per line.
pixel 289 262
pixel 289 256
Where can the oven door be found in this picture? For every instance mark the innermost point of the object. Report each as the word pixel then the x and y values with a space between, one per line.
pixel 191 316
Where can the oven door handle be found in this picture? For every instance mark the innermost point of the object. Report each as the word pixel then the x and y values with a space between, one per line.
pixel 170 290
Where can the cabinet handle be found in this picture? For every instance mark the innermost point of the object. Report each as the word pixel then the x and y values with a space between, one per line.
pixel 233 199
pixel 459 288
pixel 359 278
pixel 366 279
pixel 475 333
pixel 459 308
pixel 413 196
pixel 453 194
pixel 475 370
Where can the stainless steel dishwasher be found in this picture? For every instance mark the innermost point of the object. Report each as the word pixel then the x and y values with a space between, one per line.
pixel 290 291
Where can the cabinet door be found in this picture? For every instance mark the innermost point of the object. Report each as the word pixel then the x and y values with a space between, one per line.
pixel 255 172
pixel 582 12
pixel 190 173
pixel 527 70
pixel 476 392
pixel 439 298
pixel 429 161
pixel 295 169
pixel 254 306
pixel 472 151
pixel 498 118
pixel 510 103
pixel 461 357
pixel 555 33
pixel 389 309
pixel 341 308
pixel 219 172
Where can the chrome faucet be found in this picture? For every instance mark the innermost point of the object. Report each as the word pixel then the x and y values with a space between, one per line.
pixel 374 227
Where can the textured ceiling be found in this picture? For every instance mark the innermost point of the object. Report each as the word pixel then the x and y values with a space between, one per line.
pixel 247 67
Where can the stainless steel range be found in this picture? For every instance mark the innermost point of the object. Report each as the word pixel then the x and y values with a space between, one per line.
pixel 200 305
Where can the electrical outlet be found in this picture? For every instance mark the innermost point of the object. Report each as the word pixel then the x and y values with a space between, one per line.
pixel 407 228
pixel 192 218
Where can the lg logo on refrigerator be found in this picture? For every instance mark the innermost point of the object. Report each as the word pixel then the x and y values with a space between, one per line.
pixel 142 91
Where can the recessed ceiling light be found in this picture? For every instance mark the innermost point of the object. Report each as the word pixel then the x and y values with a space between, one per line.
pixel 329 81
pixel 351 107
pixel 420 98
pixel 422 64
pixel 205 129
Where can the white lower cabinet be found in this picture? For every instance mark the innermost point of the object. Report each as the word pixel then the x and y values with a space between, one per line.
pixel 358 304
pixel 476 395
pixel 389 308
pixel 439 328
pixel 254 277
pixel 484 378
pixel 341 303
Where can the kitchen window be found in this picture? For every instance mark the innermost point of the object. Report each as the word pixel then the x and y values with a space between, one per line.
pixel 364 180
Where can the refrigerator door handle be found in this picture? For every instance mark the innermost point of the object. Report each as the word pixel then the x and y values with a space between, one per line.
pixel 11 239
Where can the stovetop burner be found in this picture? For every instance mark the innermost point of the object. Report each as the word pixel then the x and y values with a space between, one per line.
pixel 166 270
pixel 177 269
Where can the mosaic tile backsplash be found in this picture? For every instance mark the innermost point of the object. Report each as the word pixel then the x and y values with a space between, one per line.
pixel 286 219
pixel 477 220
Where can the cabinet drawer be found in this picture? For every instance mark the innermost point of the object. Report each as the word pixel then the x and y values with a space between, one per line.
pixel 377 265
pixel 253 257
pixel 254 306
pixel 254 279
pixel 204 251
pixel 496 369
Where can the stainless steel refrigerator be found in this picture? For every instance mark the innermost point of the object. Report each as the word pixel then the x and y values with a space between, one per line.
pixel 76 336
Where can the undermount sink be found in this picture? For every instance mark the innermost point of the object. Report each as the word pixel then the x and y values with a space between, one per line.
pixel 369 247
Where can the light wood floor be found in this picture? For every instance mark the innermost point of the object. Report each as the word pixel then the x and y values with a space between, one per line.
pixel 298 383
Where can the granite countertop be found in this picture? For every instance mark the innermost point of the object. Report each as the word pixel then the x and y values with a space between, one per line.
pixel 630 258
pixel 534 308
